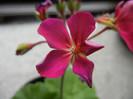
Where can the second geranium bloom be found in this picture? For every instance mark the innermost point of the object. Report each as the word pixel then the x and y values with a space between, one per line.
pixel 66 48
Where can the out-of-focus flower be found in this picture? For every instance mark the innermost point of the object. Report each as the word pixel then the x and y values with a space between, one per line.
pixel 122 21
pixel 42 8
pixel 108 21
pixel 68 49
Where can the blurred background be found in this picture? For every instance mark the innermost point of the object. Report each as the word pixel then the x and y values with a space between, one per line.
pixel 19 8
pixel 113 71
pixel 29 1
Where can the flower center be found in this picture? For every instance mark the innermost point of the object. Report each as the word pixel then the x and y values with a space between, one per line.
pixel 75 49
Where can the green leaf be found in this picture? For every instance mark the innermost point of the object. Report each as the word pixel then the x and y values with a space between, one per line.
pixel 35 91
pixel 73 87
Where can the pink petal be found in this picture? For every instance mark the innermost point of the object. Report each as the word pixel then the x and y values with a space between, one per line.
pixel 89 47
pixel 81 25
pixel 84 68
pixel 55 64
pixel 118 8
pixel 126 13
pixel 126 32
pixel 54 31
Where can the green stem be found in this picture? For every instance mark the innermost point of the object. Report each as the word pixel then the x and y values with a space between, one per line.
pixel 61 86
pixel 72 12
pixel 63 17
pixel 98 33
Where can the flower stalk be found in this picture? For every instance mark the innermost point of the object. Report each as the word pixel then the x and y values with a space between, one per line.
pixel 61 86
pixel 40 42
pixel 98 33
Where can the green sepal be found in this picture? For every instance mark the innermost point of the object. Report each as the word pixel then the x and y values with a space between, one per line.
pixel 71 61
pixel 83 55
pixel 115 28
pixel 38 15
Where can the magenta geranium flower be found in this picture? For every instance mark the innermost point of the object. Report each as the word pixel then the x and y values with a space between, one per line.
pixel 124 21
pixel 42 8
pixel 121 22
pixel 66 48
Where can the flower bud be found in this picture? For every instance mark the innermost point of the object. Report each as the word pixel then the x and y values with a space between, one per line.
pixel 41 9
pixel 60 6
pixel 24 48
pixel 77 5
pixel 73 5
